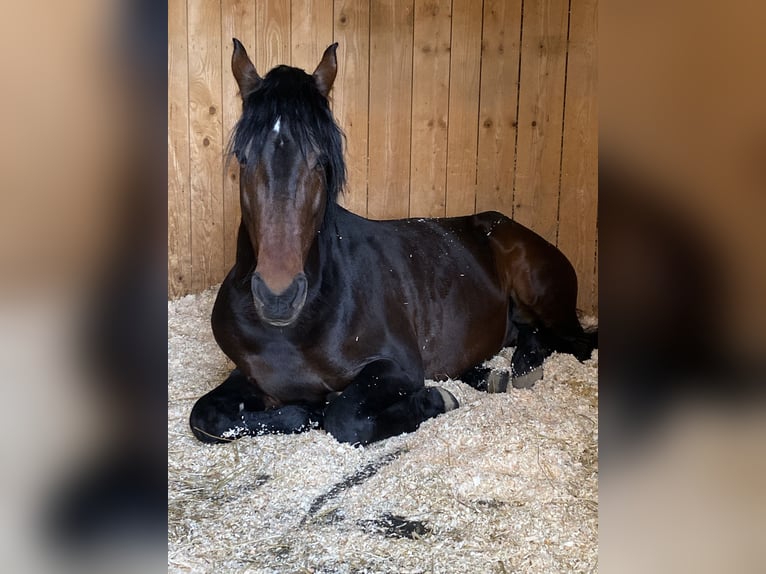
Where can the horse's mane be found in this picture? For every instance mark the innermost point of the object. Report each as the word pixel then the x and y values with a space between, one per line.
pixel 291 95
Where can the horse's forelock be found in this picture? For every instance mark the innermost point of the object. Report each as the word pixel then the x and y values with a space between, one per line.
pixel 291 96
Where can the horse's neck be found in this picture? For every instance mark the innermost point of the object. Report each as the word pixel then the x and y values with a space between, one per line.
pixel 323 264
pixel 320 260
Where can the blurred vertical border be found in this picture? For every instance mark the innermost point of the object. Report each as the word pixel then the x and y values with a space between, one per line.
pixel 83 286
pixel 682 243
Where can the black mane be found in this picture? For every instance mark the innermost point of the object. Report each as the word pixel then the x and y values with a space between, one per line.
pixel 291 95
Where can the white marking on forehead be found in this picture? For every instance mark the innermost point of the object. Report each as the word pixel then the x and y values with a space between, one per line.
pixel 276 125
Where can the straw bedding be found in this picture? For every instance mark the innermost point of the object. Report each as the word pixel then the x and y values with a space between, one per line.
pixel 506 483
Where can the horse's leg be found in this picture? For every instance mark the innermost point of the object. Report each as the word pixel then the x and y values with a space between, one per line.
pixel 384 401
pixel 532 348
pixel 542 286
pixel 485 379
pixel 569 337
pixel 235 409
pixel 533 345
pixel 552 316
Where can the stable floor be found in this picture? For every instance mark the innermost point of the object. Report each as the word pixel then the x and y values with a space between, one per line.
pixel 506 483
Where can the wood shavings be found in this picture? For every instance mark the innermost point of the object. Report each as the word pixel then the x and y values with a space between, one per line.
pixel 505 483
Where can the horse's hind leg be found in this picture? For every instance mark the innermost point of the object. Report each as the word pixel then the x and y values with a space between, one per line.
pixel 542 286
pixel 549 323
pixel 485 379
pixel 234 409
pixel 527 361
pixel 384 401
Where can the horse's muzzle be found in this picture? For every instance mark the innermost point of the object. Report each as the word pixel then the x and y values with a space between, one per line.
pixel 279 310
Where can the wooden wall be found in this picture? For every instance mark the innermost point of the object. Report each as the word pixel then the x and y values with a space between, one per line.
pixel 449 107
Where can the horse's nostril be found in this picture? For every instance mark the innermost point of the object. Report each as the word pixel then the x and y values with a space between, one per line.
pixel 282 307
pixel 298 288
pixel 259 289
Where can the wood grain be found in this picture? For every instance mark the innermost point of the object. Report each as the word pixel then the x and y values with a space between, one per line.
pixel 272 34
pixel 311 32
pixel 579 174
pixel 430 107
pixel 497 108
pixel 179 225
pixel 237 21
pixel 205 143
pixel 391 28
pixel 541 112
pixel 462 138
pixel 350 95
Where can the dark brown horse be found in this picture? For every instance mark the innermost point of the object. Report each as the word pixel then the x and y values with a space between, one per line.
pixel 334 320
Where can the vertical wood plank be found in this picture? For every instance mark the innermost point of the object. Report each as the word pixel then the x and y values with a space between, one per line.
pixel 541 109
pixel 462 138
pixel 311 25
pixel 205 145
pixel 430 107
pixel 179 229
pixel 579 174
pixel 497 108
pixel 272 34
pixel 391 28
pixel 238 21
pixel 350 96
pixel 390 85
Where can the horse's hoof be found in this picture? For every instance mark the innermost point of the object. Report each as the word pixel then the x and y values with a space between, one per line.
pixel 497 381
pixel 528 380
pixel 450 402
pixel 211 425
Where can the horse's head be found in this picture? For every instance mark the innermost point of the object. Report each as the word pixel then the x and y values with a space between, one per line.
pixel 291 170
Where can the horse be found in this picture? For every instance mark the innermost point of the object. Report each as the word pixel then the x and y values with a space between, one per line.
pixel 333 320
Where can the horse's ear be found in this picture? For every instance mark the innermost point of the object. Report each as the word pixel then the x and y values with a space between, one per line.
pixel 324 75
pixel 245 73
